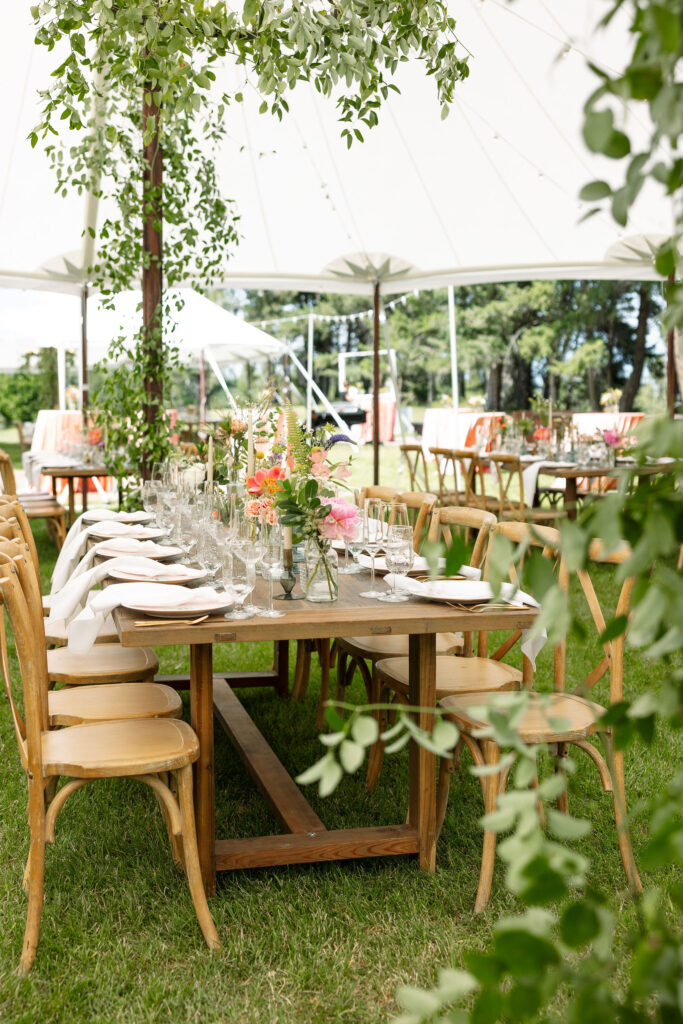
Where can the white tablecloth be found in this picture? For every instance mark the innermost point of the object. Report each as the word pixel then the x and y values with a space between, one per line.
pixel 441 429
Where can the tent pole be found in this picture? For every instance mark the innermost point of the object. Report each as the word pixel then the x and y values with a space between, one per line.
pixel 61 375
pixel 391 359
pixel 84 349
pixel 454 361
pixel 211 360
pixel 375 387
pixel 152 175
pixel 309 370
pixel 319 394
pixel 202 388
pixel 671 365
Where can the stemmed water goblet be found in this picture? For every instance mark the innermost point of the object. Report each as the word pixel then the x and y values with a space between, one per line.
pixel 373 538
pixel 399 555
pixel 248 540
pixel 239 582
pixel 209 550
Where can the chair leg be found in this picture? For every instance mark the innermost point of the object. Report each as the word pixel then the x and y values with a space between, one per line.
pixel 491 753
pixel 616 763
pixel 563 798
pixel 36 874
pixel 303 662
pixel 446 768
pixel 192 869
pixel 376 755
pixel 324 658
pixel 342 662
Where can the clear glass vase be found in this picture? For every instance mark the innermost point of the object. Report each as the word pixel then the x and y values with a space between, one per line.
pixel 321 568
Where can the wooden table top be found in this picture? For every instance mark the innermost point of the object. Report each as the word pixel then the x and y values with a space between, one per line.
pixel 350 615
pixel 575 470
pixel 74 471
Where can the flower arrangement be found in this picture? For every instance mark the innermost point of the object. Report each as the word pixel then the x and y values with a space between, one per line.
pixel 610 397
pixel 305 496
pixel 542 434
pixel 612 438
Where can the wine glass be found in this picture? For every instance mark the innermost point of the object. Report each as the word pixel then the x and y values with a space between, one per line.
pixel 272 560
pixel 373 538
pixel 399 554
pixel 248 540
pixel 240 583
pixel 209 551
pixel 150 495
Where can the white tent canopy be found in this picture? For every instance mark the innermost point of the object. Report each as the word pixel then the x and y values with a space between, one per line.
pixel 199 325
pixel 490 193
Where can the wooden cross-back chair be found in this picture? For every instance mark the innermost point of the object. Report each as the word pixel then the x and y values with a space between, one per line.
pixel 73 705
pixel 419 505
pixel 416 462
pixel 37 506
pixel 109 662
pixel 148 750
pixel 509 470
pixel 362 653
pixel 567 716
pixel 481 673
pixel 473 479
pixel 447 467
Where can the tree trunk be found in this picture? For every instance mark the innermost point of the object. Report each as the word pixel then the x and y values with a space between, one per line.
pixel 593 395
pixel 628 395
pixel 151 270
pixel 493 382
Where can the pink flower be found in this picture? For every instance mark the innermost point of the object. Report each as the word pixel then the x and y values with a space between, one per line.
pixel 253 508
pixel 269 515
pixel 611 438
pixel 265 480
pixel 319 467
pixel 343 472
pixel 341 523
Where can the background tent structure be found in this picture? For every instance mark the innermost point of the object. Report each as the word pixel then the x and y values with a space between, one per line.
pixel 488 194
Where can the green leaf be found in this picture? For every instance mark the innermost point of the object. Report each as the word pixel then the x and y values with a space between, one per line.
pixel 615 627
pixel 445 735
pixel 365 730
pixel 595 190
pixel 597 129
pixel 351 756
pixel 455 984
pixel 330 778
pixel 418 1000
pixel 666 25
pixel 579 924
pixel 563 826
pixel 618 146
pixel 525 954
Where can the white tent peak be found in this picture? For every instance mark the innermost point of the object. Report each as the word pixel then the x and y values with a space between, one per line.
pixel 375 268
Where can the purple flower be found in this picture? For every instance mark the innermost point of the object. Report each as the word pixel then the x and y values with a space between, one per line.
pixel 335 439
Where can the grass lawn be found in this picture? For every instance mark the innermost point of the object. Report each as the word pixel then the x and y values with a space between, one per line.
pixel 300 945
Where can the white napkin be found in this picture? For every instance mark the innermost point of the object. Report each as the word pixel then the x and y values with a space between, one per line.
pixel 476 592
pixel 420 564
pixel 72 549
pixel 83 629
pixel 530 477
pixel 72 597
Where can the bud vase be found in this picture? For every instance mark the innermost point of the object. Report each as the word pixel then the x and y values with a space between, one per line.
pixel 321 567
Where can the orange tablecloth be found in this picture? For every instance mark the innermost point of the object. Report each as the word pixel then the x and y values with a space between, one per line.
pixel 54 429
pixel 441 430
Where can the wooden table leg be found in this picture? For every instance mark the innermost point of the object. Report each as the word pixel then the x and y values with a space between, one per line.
pixel 84 493
pixel 201 717
pixel 54 486
pixel 422 692
pixel 281 667
pixel 571 497
pixel 72 502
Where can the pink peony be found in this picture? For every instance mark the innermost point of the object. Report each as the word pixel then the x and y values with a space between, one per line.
pixel 253 508
pixel 611 438
pixel 265 481
pixel 341 523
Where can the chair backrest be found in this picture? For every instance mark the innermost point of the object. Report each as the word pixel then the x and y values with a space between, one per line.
pixel 612 660
pixel 447 468
pixel 32 660
pixel 471 476
pixel 507 469
pixel 11 546
pixel 13 509
pixel 381 493
pixel 547 540
pixel 9 483
pixel 420 505
pixel 476 520
pixel 417 466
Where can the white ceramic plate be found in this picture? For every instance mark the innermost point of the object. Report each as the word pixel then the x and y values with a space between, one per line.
pixel 184 574
pixel 103 531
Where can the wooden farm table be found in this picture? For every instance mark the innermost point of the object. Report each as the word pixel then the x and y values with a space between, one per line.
pixel 572 474
pixel 306 840
pixel 71 473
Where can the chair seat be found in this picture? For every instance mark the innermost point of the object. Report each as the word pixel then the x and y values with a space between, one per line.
pixel 533 515
pixel 112 701
pixel 55 633
pixel 376 647
pixel 455 675
pixel 103 663
pixel 107 749
pixel 549 718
